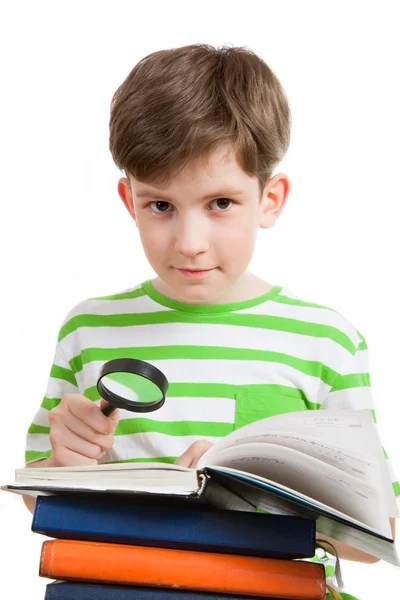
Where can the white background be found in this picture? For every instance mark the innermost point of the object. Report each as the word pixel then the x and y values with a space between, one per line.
pixel 66 236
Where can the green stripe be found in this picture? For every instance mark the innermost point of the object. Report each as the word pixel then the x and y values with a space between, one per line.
pixel 345 382
pixel 329 570
pixel 343 596
pixel 362 345
pixel 315 558
pixel 308 367
pixel 221 390
pixel 49 403
pixel 174 428
pixel 64 374
pixel 38 429
pixel 169 316
pixel 33 455
pixel 396 488
pixel 162 459
pixel 76 363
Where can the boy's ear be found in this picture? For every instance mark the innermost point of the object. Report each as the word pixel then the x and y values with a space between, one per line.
pixel 274 198
pixel 124 190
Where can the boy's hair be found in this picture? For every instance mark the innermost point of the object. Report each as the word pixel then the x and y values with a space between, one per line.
pixel 184 103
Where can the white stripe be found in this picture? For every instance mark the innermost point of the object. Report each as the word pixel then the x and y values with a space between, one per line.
pixel 204 334
pixel 219 410
pixel 42 418
pixel 150 445
pixel 60 360
pixel 357 364
pixel 38 442
pixel 57 388
pixel 142 304
pixel 352 398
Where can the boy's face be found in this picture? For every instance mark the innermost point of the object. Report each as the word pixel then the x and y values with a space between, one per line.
pixel 182 229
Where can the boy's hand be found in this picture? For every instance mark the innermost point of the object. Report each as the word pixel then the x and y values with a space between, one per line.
pixel 79 432
pixel 192 455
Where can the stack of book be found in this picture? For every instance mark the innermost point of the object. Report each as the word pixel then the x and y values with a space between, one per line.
pixel 125 547
pixel 132 529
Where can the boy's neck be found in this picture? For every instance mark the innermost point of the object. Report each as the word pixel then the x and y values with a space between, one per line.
pixel 248 287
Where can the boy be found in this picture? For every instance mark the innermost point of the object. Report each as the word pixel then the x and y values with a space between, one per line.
pixel 198 132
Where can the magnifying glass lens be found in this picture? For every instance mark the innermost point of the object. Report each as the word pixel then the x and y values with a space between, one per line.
pixel 131 384
pixel 132 387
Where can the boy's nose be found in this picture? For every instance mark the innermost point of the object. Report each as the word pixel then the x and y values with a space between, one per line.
pixel 191 239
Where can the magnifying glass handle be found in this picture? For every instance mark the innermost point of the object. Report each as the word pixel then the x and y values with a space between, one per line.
pixel 107 409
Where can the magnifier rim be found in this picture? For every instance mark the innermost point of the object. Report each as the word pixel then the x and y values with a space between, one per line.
pixel 136 367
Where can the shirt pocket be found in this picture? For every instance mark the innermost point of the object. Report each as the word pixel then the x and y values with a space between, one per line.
pixel 252 406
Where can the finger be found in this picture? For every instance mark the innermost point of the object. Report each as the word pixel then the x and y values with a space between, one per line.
pixel 67 458
pixel 185 459
pixel 86 432
pixel 70 440
pixel 194 459
pixel 88 412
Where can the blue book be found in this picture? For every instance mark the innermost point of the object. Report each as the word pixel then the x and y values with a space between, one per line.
pixel 168 522
pixel 62 590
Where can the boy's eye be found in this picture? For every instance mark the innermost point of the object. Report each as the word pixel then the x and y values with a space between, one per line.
pixel 162 205
pixel 223 201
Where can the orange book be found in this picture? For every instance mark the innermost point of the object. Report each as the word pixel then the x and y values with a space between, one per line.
pixel 77 560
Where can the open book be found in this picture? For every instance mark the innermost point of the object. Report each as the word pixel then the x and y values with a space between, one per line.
pixel 326 465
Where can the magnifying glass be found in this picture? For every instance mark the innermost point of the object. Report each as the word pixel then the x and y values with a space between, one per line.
pixel 132 384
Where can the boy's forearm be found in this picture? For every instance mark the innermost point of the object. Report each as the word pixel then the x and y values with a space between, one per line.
pixel 344 551
pixel 30 501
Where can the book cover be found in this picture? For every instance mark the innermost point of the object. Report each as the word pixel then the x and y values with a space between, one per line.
pixel 173 523
pixel 75 560
pixel 67 590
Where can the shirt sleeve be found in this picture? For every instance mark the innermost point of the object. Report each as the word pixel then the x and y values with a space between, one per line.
pixel 351 389
pixel 61 381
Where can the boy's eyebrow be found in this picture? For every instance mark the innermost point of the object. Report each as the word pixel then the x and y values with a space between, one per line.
pixel 218 194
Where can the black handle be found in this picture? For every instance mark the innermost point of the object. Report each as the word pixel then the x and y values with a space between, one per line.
pixel 107 409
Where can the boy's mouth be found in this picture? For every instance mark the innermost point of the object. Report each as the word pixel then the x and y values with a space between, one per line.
pixel 194 272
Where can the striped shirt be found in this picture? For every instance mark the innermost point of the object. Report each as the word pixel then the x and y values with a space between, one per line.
pixel 227 365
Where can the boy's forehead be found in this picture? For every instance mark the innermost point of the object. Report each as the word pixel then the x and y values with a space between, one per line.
pixel 220 172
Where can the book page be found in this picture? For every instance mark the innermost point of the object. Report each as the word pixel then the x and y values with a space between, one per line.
pixel 322 434
pixel 351 462
pixel 310 477
pixel 161 478
pixel 278 499
pixel 98 471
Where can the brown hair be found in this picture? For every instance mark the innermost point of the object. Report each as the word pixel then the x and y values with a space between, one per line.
pixel 185 103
